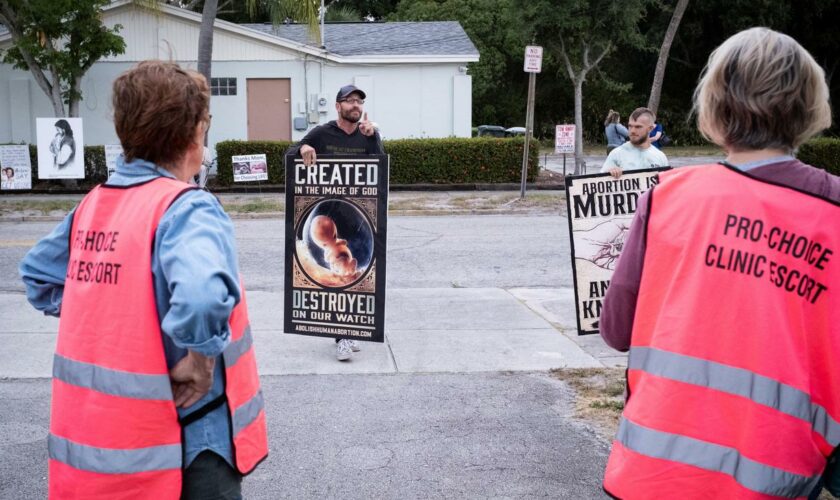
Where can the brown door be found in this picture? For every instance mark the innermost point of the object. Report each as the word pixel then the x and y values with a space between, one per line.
pixel 269 109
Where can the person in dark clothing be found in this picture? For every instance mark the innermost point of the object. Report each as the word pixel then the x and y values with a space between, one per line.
pixel 352 134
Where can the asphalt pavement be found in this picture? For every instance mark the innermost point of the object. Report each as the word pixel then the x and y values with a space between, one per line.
pixel 456 403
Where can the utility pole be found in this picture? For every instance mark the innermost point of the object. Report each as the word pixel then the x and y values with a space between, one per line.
pixel 533 65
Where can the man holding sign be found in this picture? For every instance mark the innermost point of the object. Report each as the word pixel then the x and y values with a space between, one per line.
pixel 352 134
pixel 637 153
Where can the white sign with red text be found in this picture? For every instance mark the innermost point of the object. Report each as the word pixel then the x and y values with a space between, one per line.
pixel 564 139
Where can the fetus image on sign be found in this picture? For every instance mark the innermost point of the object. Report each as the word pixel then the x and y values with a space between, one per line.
pixel 334 243
pixel 602 245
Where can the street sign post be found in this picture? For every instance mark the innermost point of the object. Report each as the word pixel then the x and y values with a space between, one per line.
pixel 564 141
pixel 533 65
pixel 533 59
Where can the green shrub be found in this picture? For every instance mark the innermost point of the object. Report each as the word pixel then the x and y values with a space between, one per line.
pixel 273 150
pixel 413 161
pixel 460 161
pixel 823 152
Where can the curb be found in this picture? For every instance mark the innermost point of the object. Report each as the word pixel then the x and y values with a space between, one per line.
pixel 280 215
pixel 278 188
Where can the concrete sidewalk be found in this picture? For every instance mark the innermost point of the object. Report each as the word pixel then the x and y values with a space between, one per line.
pixel 456 404
pixel 454 330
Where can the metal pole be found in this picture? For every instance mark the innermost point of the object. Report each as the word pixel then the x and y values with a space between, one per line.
pixel 529 125
pixel 564 164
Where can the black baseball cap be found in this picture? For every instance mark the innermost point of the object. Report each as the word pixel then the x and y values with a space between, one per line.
pixel 346 90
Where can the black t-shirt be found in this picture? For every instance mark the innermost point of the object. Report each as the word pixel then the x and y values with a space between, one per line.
pixel 329 139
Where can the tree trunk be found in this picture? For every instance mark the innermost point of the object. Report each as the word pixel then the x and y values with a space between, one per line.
pixel 579 166
pixel 74 101
pixel 205 41
pixel 205 38
pixel 659 73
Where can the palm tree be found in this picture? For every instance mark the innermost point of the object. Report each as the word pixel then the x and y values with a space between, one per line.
pixel 205 38
pixel 303 11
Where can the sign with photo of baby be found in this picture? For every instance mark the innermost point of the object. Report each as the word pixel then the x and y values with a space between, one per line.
pixel 600 209
pixel 336 221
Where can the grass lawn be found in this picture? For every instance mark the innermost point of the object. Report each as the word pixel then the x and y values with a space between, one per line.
pixel 37 207
pixel 600 396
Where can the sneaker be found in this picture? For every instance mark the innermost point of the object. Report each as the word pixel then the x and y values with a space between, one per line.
pixel 354 346
pixel 342 350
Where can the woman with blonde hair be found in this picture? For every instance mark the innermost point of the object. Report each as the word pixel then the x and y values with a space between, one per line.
pixel 616 133
pixel 724 295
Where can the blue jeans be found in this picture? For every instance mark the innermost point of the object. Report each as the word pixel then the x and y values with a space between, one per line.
pixel 210 477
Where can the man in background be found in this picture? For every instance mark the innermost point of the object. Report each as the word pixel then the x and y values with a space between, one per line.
pixel 637 153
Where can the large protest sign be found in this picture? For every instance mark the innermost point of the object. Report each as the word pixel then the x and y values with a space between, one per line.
pixel 249 168
pixel 336 220
pixel 61 148
pixel 15 168
pixel 600 210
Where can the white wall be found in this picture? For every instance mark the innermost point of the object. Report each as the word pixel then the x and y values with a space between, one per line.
pixel 406 100
pixel 149 35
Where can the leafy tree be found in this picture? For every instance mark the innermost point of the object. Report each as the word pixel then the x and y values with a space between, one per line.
pixel 376 9
pixel 580 34
pixel 498 81
pixel 58 41
pixel 302 11
pixel 339 12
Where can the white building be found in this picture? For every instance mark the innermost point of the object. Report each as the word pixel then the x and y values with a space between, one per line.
pixel 271 82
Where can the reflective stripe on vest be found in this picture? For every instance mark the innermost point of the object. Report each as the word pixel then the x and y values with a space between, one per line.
pixel 114 427
pixel 732 384
pixel 111 461
pixel 737 381
pixel 245 399
pixel 238 348
pixel 716 458
pixel 112 382
pixel 247 413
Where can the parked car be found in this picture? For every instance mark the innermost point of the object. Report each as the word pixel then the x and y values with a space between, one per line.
pixel 491 131
pixel 514 131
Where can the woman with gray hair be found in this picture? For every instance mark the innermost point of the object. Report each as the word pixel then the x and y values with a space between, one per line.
pixel 724 295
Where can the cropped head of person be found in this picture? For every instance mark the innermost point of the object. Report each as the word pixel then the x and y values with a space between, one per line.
pixel 761 90
pixel 640 124
pixel 161 115
pixel 349 103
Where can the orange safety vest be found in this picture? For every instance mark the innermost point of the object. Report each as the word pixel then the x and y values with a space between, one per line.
pixel 733 376
pixel 114 430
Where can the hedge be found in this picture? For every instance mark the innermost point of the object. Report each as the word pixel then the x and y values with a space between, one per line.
pixel 413 161
pixel 273 150
pixel 823 153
